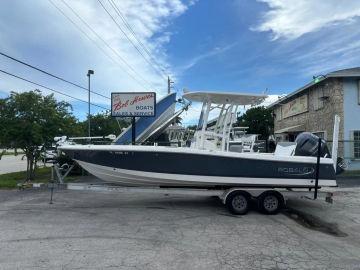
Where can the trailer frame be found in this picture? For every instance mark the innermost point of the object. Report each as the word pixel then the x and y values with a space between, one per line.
pixel 223 194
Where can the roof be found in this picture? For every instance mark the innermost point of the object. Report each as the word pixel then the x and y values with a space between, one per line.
pixel 343 73
pixel 225 97
pixel 349 72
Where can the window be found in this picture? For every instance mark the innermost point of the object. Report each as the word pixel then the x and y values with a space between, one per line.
pixel 356 138
pixel 320 134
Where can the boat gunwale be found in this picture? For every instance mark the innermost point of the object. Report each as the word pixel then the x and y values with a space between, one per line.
pixel 185 150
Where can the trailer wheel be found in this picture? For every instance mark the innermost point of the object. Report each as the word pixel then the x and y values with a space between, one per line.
pixel 270 202
pixel 238 202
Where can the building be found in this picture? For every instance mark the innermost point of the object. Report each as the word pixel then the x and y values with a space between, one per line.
pixel 312 108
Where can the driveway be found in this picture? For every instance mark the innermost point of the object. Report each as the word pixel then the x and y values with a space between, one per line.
pixel 86 230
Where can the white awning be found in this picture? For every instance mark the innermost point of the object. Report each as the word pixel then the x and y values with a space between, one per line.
pixel 297 128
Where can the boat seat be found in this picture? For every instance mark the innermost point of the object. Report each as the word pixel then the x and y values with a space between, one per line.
pixel 248 146
pixel 285 149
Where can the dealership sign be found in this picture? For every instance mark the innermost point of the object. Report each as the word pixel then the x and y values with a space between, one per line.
pixel 133 104
pixel 296 106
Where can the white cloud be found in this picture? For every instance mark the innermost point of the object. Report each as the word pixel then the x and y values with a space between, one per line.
pixel 270 99
pixel 315 37
pixel 194 61
pixel 292 19
pixel 51 42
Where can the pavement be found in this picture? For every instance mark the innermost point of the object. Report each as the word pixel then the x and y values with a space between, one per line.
pixel 10 163
pixel 86 230
pixel 348 181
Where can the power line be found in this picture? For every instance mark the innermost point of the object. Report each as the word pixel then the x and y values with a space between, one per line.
pixel 127 37
pixel 51 89
pixel 97 45
pixel 108 46
pixel 51 75
pixel 128 26
pixel 142 45
pixel 110 57
pixel 82 31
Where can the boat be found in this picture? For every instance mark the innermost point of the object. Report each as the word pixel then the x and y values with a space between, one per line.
pixel 208 162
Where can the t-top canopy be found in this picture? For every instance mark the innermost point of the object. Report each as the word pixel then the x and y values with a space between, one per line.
pixel 225 97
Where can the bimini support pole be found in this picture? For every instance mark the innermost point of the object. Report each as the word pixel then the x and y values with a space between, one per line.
pixel 317 170
pixel 226 127
pixel 207 105
pixel 335 144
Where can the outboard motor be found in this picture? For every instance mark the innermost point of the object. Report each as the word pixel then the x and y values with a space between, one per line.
pixel 307 145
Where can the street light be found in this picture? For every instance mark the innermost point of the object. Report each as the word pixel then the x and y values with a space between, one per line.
pixel 319 78
pixel 90 72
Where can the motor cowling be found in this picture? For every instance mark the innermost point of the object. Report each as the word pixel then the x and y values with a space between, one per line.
pixel 307 145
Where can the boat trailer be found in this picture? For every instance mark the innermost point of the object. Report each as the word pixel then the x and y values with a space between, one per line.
pixel 237 199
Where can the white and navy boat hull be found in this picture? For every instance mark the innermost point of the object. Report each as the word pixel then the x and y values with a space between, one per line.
pixel 185 167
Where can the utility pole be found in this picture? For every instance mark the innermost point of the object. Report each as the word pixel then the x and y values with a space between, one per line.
pixel 90 72
pixel 169 84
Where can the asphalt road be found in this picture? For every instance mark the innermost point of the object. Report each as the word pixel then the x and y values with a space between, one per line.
pixel 348 181
pixel 84 230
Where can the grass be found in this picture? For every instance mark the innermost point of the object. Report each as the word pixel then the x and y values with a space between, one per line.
pixel 42 175
pixel 10 180
pixel 13 154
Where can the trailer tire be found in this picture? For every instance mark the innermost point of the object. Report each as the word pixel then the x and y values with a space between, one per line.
pixel 270 202
pixel 237 202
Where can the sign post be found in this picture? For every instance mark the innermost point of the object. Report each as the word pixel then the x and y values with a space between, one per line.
pixel 133 104
pixel 133 130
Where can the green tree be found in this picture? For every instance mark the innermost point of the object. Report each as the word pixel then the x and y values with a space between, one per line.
pixel 259 120
pixel 29 120
pixel 192 127
pixel 103 124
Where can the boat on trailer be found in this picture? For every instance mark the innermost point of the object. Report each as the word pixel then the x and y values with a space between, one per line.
pixel 209 162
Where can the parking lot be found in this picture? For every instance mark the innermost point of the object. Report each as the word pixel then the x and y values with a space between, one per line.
pixel 85 230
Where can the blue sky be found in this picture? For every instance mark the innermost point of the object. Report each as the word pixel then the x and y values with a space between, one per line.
pixel 230 45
